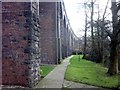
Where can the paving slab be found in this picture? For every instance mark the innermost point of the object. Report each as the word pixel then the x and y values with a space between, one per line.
pixel 55 78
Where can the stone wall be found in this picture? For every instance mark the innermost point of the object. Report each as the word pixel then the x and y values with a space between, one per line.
pixel 21 49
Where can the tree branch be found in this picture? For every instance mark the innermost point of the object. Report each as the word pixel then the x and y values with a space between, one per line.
pixel 94 1
pixel 109 34
pixel 106 15
pixel 105 37
pixel 105 9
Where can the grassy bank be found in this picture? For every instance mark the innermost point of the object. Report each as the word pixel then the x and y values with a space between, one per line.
pixel 88 72
pixel 45 69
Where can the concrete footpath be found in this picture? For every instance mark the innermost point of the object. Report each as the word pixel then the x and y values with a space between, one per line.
pixel 55 78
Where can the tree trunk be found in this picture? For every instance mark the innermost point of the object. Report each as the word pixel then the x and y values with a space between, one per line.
pixel 119 58
pixel 99 40
pixel 113 67
pixel 85 44
pixel 98 45
pixel 85 38
pixel 92 35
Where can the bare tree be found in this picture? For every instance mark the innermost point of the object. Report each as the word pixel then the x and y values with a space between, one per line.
pixel 85 36
pixel 113 67
pixel 98 38
pixel 102 33
pixel 92 35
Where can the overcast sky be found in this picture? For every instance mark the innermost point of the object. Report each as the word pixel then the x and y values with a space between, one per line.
pixel 75 12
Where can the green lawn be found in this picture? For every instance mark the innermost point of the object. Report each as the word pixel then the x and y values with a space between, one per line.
pixel 88 72
pixel 46 69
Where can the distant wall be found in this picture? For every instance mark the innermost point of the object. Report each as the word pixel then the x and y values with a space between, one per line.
pixel 48 32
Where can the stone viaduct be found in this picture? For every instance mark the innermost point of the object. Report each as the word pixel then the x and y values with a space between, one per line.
pixel 57 37
pixel 33 33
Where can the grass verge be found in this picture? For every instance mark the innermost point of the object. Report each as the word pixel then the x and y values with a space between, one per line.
pixel 45 69
pixel 88 72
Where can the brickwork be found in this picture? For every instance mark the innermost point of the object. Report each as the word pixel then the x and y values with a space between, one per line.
pixel 62 33
pixel 48 32
pixel 64 47
pixel 56 42
pixel 20 52
pixel 33 34
pixel 69 41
